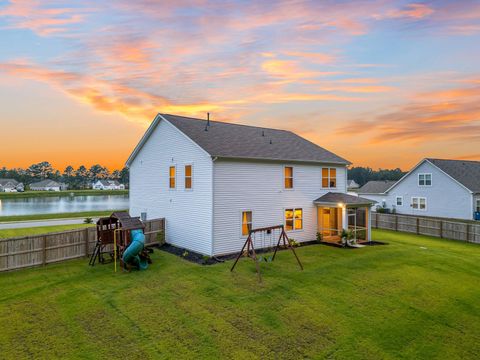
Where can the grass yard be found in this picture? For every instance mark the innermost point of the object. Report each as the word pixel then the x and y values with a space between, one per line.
pixel 11 233
pixel 70 215
pixel 416 298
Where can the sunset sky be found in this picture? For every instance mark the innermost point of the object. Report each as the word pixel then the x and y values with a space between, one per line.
pixel 381 83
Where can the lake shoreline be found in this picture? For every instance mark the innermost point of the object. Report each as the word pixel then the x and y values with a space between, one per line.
pixel 36 194
pixel 67 215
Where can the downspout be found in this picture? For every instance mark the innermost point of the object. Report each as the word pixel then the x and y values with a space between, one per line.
pixel 213 207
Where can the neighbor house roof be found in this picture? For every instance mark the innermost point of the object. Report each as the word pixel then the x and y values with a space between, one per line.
pixel 227 140
pixel 45 183
pixel 4 182
pixel 352 184
pixel 342 198
pixel 376 187
pixel 466 172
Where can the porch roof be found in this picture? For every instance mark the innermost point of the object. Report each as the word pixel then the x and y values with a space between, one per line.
pixel 334 198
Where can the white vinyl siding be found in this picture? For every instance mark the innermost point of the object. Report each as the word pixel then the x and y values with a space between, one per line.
pixel 259 187
pixel 188 214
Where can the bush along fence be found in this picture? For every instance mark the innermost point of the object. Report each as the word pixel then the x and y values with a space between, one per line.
pixel 29 251
pixel 442 228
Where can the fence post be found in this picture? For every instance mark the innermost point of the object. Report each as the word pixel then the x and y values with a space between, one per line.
pixel 441 229
pixel 418 225
pixel 86 242
pixel 376 220
pixel 44 250
pixel 396 222
pixel 468 232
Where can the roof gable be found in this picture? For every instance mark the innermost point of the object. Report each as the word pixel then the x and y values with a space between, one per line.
pixel 227 140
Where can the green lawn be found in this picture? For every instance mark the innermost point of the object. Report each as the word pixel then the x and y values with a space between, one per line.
pixel 69 215
pixel 417 298
pixel 30 194
pixel 10 233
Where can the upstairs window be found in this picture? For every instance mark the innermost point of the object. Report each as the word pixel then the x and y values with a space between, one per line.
pixel 188 176
pixel 419 203
pixel 246 222
pixel 293 219
pixel 288 172
pixel 329 177
pixel 424 179
pixel 172 175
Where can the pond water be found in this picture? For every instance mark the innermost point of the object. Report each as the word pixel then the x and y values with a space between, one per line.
pixel 62 204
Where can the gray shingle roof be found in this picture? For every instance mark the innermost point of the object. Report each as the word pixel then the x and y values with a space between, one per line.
pixel 229 140
pixel 6 181
pixel 465 172
pixel 376 187
pixel 45 183
pixel 336 198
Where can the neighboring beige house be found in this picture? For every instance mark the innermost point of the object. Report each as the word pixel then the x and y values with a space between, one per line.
pixel 48 185
pixel 11 185
pixel 107 185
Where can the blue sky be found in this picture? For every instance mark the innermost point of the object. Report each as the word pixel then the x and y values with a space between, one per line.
pixel 381 83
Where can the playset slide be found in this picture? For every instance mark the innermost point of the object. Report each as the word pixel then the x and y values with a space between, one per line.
pixel 131 254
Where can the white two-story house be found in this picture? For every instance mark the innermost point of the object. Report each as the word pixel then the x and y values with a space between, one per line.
pixel 214 181
pixel 434 187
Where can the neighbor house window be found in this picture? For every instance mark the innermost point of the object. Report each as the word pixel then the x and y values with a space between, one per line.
pixel 419 203
pixel 478 205
pixel 329 177
pixel 288 172
pixel 293 219
pixel 246 222
pixel 188 176
pixel 172 174
pixel 399 200
pixel 424 179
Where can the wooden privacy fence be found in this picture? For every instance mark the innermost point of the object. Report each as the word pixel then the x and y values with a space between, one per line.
pixel 442 228
pixel 28 251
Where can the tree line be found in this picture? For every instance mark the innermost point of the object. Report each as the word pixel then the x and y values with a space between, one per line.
pixel 79 178
pixel 362 175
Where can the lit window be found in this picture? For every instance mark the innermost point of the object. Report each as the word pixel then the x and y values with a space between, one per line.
pixel 246 222
pixel 172 174
pixel 424 179
pixel 399 200
pixel 288 177
pixel 293 219
pixel 329 177
pixel 188 176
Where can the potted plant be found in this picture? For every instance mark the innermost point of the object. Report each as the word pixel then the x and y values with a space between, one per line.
pixel 348 237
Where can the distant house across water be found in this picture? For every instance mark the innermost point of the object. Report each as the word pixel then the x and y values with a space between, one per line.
pixel 48 185
pixel 11 185
pixel 107 185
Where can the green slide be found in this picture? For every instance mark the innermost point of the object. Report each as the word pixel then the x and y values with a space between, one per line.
pixel 131 254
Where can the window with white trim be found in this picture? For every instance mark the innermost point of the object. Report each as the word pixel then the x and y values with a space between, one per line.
pixel 329 177
pixel 293 219
pixel 172 173
pixel 399 201
pixel 188 177
pixel 419 203
pixel 246 222
pixel 424 179
pixel 288 176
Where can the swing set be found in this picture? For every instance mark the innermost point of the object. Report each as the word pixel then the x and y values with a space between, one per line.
pixel 263 233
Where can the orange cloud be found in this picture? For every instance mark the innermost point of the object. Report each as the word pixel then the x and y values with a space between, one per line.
pixel 414 11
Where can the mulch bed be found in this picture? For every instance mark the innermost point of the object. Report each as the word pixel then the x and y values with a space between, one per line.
pixel 200 259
